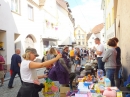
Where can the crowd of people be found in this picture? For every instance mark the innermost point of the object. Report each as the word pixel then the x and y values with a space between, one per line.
pixel 109 61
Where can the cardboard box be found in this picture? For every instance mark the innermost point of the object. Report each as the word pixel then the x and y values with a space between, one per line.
pixel 62 94
pixel 64 89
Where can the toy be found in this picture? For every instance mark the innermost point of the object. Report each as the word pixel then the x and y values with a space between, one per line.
pixel 109 93
pixel 49 89
pixel 86 78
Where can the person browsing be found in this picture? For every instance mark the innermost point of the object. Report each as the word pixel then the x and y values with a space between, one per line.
pixel 31 86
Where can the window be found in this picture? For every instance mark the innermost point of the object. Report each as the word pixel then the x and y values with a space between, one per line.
pixel 109 20
pixel 15 6
pixel 82 36
pixel 79 43
pixel 30 12
pixel 79 31
pixel 106 23
pixel 82 43
pixel 112 20
pixel 79 37
pixel 29 42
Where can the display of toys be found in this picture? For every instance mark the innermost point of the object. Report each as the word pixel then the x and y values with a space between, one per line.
pixel 86 78
pixel 50 89
pixel 109 93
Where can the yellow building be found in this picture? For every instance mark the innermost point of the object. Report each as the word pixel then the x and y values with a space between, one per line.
pixel 80 37
pixel 109 8
pixel 123 32
pixel 118 13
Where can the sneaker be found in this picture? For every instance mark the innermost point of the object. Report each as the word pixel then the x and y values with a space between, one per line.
pixel 10 87
pixel 1 85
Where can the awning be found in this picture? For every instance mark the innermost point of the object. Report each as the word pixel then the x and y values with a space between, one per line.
pixel 50 39
pixel 52 43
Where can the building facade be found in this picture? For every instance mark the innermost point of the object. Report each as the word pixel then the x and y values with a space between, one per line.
pixel 123 32
pixel 121 20
pixel 109 10
pixel 33 23
pixel 20 26
pixel 58 24
pixel 80 37
pixel 96 32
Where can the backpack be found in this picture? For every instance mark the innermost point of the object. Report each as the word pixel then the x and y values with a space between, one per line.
pixel 128 82
pixel 59 73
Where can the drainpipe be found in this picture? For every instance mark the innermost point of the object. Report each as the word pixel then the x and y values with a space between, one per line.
pixel 115 27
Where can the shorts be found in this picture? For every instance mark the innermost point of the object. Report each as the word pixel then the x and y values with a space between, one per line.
pixel 2 74
pixel 77 62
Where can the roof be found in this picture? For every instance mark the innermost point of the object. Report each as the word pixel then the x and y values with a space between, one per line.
pixel 79 28
pixel 97 28
pixel 89 35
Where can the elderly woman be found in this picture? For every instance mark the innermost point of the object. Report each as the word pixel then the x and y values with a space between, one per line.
pixel 110 61
pixel 28 73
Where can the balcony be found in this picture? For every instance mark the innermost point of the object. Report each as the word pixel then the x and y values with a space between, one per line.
pixel 67 4
pixel 69 10
pixel 41 2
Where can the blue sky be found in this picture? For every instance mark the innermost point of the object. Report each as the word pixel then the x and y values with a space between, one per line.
pixel 87 13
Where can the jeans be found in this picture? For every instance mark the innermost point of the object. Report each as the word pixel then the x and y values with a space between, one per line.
pixel 117 79
pixel 110 74
pixel 71 78
pixel 72 59
pixel 12 78
pixel 101 64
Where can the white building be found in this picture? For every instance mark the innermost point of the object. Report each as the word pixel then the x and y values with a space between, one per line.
pixel 23 23
pixel 91 42
pixel 97 32
pixel 80 37
pixel 58 28
pixel 21 26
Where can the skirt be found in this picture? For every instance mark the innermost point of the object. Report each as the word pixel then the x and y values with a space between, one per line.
pixel 29 90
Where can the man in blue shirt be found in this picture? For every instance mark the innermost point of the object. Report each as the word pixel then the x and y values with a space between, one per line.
pixel 15 67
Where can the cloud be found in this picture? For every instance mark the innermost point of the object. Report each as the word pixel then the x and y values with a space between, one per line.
pixel 89 14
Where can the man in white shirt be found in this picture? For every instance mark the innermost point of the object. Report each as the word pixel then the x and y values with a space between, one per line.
pixel 100 50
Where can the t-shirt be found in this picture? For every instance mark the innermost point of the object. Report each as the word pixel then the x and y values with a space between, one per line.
pixel 100 48
pixel 1 65
pixel 72 53
pixel 118 57
pixel 14 63
pixel 27 74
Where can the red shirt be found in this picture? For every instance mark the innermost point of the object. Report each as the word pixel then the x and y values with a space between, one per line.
pixel 1 65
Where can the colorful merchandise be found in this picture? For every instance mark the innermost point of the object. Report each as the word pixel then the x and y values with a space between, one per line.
pixel 86 78
pixel 107 82
pixel 100 75
pixel 49 89
pixel 109 93
pixel 119 94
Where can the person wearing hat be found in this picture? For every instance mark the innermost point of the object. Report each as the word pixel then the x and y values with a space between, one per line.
pixel 31 86
pixel 68 63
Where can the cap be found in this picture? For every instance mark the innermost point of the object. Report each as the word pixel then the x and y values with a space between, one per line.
pixel 33 50
pixel 65 47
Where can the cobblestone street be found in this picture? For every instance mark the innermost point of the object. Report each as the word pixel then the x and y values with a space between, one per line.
pixel 5 92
